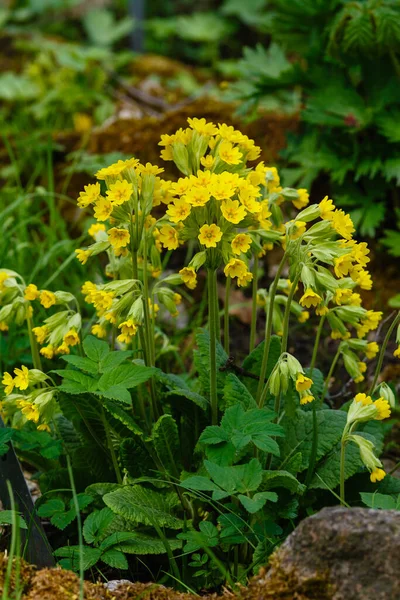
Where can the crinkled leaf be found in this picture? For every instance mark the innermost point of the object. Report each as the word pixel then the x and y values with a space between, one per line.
pixel 254 504
pixel 95 349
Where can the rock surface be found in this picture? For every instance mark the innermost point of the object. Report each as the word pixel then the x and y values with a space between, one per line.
pixel 337 554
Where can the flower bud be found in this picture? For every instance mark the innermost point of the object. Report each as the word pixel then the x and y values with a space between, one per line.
pixel 275 383
pixel 307 277
pixel 181 158
pixel 387 393
pixel 137 310
pixel 64 297
pixel 294 366
pixel 309 214
pixel 198 260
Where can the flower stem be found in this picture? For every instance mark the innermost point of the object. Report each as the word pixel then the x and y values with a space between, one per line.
pixel 268 330
pixel 226 314
pixel 112 450
pixel 342 465
pixel 211 277
pixel 327 380
pixel 316 344
pixel 286 317
pixel 382 352
pixel 253 325
pixel 34 349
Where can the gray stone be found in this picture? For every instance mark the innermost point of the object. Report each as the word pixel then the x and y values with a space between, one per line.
pixel 336 554
pixel 114 584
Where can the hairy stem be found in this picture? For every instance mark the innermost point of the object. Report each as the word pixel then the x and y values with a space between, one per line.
pixel 382 352
pixel 226 314
pixel 211 277
pixel 331 370
pixel 286 317
pixel 253 325
pixel 268 330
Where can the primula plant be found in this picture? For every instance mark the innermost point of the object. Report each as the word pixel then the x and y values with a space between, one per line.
pixel 206 462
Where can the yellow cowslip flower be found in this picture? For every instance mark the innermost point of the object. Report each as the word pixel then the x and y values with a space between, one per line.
pixel 299 229
pixel 227 132
pixel 119 192
pixel 47 298
pixel 377 475
pixel 371 350
pixel 90 195
pixel 396 353
pixel 128 330
pixel 321 310
pixel 370 321
pixel 102 300
pixel 96 228
pixel 355 299
pixel 232 211
pixel 310 298
pixel 302 200
pixel 363 398
pixel 111 317
pixel 3 326
pixel 263 214
pixel 47 351
pixel 257 176
pixel 62 349
pixel 202 127
pixel 98 331
pixel 31 292
pixel 118 238
pixel 8 383
pixel 360 253
pixel 169 237
pixel 272 179
pixel 149 169
pixel 41 333
pixel 21 380
pixel 82 122
pixel 362 278
pixel 82 255
pixel 167 153
pixel 210 235
pixel 71 338
pixel 253 151
pixel 342 296
pixel 338 335
pixel 197 196
pixel 343 265
pixel 303 316
pixel 103 209
pixel 202 179
pixel 241 243
pixel 303 383
pixel 306 398
pixel 230 154
pixel 88 289
pixel 179 210
pixel 235 268
pixel 111 171
pixel 180 187
pixel 3 277
pixel 342 224
pixel 245 279
pixel 28 409
pixel 326 208
pixel 149 222
pixel 43 427
pixel 189 277
pixel 177 298
pixel 207 161
pixel 383 409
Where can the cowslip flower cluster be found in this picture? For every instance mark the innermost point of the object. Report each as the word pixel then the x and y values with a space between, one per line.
pixel 35 400
pixel 288 369
pixel 363 409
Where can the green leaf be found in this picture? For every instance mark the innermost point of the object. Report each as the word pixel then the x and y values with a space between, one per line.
pixel 299 434
pixel 213 434
pixel 198 399
pixel 115 558
pixel 49 508
pixel 276 479
pixel 254 504
pixel 382 501
pixel 113 359
pixel 199 483
pixel 237 479
pixel 96 523
pixel 121 415
pixel 235 392
pixel 143 506
pixel 165 437
pixel 117 392
pixel 138 543
pixel 202 362
pixel 9 517
pixel 207 537
pixel 95 349
pixel 126 376
pixel 75 382
pixel 81 363
pixel 90 556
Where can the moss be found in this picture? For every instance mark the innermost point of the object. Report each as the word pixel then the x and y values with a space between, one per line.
pixel 21 573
